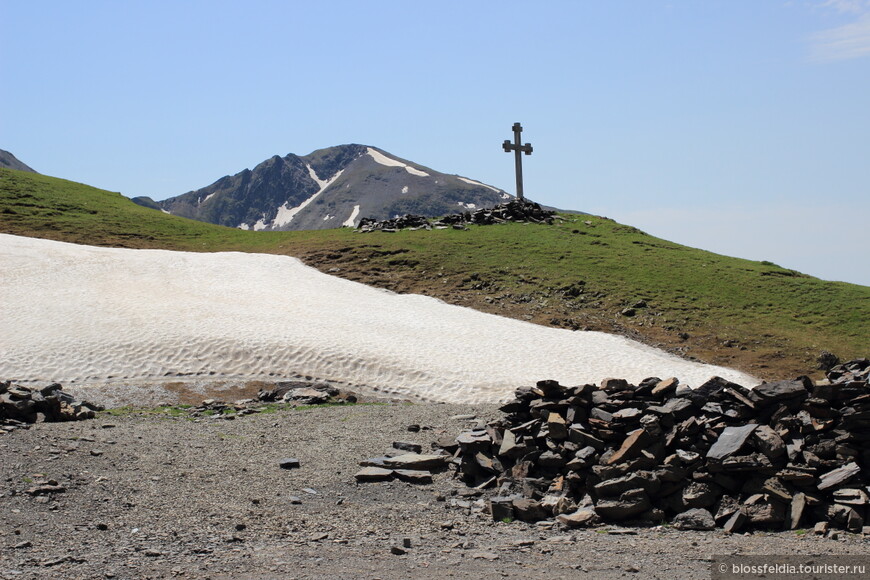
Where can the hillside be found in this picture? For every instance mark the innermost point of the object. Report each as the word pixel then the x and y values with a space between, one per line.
pixel 583 272
pixel 326 189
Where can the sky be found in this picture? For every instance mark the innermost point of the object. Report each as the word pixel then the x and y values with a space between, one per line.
pixel 736 126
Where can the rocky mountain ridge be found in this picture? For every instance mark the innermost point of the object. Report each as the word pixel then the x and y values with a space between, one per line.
pixel 329 188
pixel 9 161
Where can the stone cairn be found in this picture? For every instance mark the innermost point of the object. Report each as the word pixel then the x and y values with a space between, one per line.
pixel 22 406
pixel 512 211
pixel 783 455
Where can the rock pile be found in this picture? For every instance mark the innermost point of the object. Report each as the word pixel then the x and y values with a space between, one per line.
pixel 21 406
pixel 305 393
pixel 782 455
pixel 292 393
pixel 512 211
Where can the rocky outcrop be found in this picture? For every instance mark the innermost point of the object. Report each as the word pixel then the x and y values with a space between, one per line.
pixel 783 455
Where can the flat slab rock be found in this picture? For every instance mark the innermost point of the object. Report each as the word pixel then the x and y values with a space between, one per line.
pixel 730 441
pixel 374 474
pixel 417 461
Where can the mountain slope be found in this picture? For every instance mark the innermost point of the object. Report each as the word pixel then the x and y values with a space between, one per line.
pixel 582 272
pixel 9 161
pixel 328 188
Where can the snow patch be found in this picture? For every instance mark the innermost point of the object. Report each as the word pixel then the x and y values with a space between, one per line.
pixel 87 316
pixel 505 196
pixel 286 214
pixel 244 227
pixel 472 182
pixel 261 224
pixel 389 162
pixel 164 211
pixel 351 221
pixel 405 189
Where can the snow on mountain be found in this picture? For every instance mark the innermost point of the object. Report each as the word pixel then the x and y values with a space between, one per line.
pixel 328 188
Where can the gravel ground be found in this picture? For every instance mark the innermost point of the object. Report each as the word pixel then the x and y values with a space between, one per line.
pixel 152 496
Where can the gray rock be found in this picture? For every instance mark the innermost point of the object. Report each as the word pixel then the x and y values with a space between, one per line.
pixel 373 474
pixel 769 393
pixel 413 475
pixel 631 503
pixel 631 447
pixel 730 441
pixel 557 427
pixel 699 495
pixel 529 510
pixel 417 461
pixel 695 519
pixel 666 386
pixel 798 504
pixel 851 496
pixel 584 516
pixel 769 442
pixel 838 476
pixel 502 508
pixel 736 522
pixel 407 446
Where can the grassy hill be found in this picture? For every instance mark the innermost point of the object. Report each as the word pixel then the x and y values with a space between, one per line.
pixel 584 272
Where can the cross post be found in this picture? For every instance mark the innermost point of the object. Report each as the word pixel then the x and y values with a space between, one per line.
pixel 517 148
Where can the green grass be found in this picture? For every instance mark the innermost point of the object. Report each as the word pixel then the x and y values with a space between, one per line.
pixel 587 272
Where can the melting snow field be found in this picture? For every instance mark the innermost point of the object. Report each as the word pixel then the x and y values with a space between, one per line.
pixel 84 315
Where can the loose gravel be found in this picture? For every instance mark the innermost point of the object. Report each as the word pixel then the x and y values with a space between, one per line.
pixel 148 495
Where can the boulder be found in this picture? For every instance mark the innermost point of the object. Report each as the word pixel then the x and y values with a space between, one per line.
pixel 695 519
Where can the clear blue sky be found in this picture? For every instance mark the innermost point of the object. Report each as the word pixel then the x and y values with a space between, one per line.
pixel 737 126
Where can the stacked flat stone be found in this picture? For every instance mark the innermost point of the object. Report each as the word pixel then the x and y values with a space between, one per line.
pixel 512 211
pixel 783 455
pixel 21 406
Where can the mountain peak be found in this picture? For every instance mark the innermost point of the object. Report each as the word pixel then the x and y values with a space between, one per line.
pixel 330 188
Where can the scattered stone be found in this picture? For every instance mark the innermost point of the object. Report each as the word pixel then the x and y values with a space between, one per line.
pixel 46 488
pixel 406 446
pixel 374 474
pixel 413 475
pixel 288 463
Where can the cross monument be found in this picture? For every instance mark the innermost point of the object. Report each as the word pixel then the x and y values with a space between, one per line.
pixel 517 149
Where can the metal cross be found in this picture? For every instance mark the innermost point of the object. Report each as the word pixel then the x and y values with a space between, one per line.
pixel 517 149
